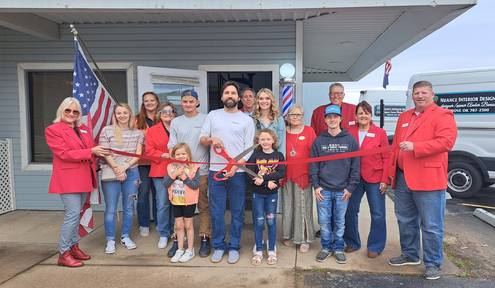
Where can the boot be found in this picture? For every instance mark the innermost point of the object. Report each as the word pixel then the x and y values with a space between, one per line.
pixel 66 259
pixel 78 254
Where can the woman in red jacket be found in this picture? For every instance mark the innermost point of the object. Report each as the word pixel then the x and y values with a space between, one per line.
pixel 156 146
pixel 73 175
pixel 373 183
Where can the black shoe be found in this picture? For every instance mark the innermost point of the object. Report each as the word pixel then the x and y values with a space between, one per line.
pixel 403 260
pixel 204 249
pixel 323 255
pixel 173 249
pixel 318 234
pixel 432 273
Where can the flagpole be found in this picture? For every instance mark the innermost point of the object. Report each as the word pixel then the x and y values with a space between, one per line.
pixel 100 76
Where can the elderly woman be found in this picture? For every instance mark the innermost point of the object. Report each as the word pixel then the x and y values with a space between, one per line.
pixel 73 175
pixel 297 197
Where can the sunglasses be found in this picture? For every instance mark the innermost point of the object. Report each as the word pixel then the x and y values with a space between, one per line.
pixel 73 112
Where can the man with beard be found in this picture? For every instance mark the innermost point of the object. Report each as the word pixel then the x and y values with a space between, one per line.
pixel 233 131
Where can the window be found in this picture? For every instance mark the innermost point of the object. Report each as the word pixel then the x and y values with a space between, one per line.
pixel 46 89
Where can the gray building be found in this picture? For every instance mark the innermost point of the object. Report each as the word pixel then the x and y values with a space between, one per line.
pixel 169 46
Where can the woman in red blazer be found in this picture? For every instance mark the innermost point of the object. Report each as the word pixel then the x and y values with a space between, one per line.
pixel 156 146
pixel 373 183
pixel 73 175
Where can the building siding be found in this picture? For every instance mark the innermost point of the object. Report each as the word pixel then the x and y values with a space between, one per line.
pixel 170 45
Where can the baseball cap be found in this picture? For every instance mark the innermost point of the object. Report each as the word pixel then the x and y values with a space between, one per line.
pixel 332 109
pixel 189 93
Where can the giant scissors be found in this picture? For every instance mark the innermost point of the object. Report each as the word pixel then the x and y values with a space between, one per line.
pixel 233 162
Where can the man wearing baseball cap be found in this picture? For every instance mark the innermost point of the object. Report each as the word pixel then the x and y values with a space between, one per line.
pixel 333 182
pixel 186 129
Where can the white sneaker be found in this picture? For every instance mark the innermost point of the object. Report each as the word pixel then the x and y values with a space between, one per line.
pixel 144 231
pixel 188 255
pixel 162 243
pixel 110 249
pixel 128 243
pixel 177 256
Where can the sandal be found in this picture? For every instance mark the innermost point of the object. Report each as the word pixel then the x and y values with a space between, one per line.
pixel 257 259
pixel 272 258
pixel 286 242
pixel 304 248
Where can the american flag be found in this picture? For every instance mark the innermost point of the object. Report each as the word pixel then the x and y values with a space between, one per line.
pixel 388 67
pixel 96 104
pixel 287 98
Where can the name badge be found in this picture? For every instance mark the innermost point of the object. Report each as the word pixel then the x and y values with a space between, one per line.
pixel 370 135
pixel 352 123
pixel 83 131
pixel 405 125
pixel 301 137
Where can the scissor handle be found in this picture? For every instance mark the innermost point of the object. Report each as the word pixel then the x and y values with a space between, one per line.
pixel 220 151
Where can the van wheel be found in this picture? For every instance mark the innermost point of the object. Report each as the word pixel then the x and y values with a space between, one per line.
pixel 464 180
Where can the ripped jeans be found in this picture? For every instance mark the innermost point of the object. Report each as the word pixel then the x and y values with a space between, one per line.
pixel 111 192
pixel 265 209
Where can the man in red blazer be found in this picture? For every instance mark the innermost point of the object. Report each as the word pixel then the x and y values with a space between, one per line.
pixel 336 93
pixel 418 171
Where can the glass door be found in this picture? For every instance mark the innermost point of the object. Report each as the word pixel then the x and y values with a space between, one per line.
pixel 169 83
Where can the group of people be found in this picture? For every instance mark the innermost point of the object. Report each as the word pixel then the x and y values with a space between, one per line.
pixel 176 173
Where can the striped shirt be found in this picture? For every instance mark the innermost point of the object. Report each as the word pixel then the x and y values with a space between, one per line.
pixel 130 140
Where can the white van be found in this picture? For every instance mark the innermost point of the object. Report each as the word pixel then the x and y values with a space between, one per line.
pixel 394 102
pixel 470 94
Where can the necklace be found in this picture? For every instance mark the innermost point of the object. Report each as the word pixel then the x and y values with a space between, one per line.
pixel 293 152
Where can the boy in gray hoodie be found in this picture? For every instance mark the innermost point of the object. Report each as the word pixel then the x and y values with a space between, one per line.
pixel 333 182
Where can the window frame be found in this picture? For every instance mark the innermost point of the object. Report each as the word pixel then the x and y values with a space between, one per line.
pixel 22 73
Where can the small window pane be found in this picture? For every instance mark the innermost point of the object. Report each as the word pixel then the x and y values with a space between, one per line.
pixel 171 93
pixel 46 90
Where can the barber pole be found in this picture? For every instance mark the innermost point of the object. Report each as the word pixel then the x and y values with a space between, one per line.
pixel 287 98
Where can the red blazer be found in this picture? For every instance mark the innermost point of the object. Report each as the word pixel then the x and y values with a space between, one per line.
pixel 156 144
pixel 373 167
pixel 73 163
pixel 318 118
pixel 433 135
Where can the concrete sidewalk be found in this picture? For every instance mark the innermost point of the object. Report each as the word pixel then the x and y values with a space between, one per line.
pixel 28 257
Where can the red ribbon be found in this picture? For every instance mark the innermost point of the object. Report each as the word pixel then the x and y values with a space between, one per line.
pixel 231 161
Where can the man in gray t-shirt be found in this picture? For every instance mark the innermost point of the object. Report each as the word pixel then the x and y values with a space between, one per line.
pixel 232 130
pixel 187 129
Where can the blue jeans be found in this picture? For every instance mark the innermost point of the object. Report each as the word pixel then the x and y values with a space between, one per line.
pixel 164 217
pixel 235 188
pixel 332 206
pixel 69 232
pixel 378 230
pixel 420 209
pixel 143 203
pixel 112 191
pixel 265 209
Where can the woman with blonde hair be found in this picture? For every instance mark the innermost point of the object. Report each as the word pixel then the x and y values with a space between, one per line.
pixel 267 115
pixel 120 175
pixel 73 175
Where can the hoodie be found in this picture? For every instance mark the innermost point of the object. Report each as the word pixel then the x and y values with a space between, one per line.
pixel 335 175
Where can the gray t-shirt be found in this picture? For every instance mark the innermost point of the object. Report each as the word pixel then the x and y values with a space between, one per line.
pixel 185 129
pixel 236 130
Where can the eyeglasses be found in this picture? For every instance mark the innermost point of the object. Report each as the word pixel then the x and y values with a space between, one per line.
pixel 295 115
pixel 73 112
pixel 167 111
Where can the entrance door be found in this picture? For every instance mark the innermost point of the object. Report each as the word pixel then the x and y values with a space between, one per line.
pixel 169 83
